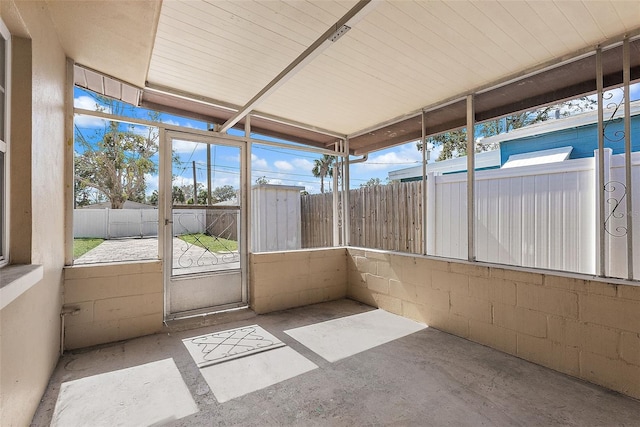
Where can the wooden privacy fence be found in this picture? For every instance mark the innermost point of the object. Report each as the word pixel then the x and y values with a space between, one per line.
pixel 382 217
pixel 316 212
pixel 542 216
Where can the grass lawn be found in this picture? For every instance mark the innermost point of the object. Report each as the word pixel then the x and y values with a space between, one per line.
pixel 212 243
pixel 82 246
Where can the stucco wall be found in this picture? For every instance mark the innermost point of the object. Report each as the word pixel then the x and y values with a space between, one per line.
pixel 116 302
pixel 585 328
pixel 30 325
pixel 281 280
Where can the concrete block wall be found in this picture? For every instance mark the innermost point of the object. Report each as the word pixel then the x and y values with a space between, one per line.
pixel 589 329
pixel 281 280
pixel 116 302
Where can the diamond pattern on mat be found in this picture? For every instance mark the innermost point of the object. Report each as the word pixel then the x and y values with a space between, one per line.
pixel 218 347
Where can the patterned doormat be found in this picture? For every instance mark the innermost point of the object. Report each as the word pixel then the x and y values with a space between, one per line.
pixel 218 347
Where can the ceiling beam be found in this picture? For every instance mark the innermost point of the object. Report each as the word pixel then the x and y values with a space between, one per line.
pixel 332 34
pixel 229 108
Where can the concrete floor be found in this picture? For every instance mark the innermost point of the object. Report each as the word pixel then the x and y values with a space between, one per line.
pixel 426 378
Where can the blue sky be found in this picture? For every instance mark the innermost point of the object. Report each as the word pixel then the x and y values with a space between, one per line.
pixel 278 165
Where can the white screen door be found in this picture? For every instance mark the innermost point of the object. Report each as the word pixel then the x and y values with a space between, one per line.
pixel 203 238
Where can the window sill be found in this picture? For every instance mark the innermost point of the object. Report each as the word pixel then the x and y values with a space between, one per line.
pixel 16 280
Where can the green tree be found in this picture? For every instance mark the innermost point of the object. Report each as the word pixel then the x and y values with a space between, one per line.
pixel 323 167
pixel 454 143
pixel 177 195
pixel 114 161
pixel 82 194
pixel 153 198
pixel 262 180
pixel 372 182
pixel 222 194
pixel 117 163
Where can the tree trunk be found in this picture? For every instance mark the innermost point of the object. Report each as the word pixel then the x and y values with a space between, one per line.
pixel 117 203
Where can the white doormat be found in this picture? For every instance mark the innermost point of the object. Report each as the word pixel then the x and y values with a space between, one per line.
pixel 346 336
pixel 218 347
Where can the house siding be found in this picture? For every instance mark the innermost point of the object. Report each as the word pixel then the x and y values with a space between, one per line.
pixel 583 139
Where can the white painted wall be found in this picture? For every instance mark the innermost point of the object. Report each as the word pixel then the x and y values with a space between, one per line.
pixel 30 324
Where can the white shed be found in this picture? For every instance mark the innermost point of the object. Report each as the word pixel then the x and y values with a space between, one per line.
pixel 275 218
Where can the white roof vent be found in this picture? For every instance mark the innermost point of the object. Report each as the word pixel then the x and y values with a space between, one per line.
pixel 105 85
pixel 538 157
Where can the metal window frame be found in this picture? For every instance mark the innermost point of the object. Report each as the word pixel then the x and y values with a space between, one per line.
pixel 602 249
pixel 163 128
pixel 626 78
pixel 5 196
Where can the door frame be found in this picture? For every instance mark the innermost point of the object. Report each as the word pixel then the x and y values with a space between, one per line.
pixel 166 216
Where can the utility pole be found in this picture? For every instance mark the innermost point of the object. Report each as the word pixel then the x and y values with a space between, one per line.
pixel 195 185
pixel 209 175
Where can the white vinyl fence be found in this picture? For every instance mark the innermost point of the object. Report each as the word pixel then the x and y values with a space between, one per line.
pixel 543 216
pixel 616 217
pixel 118 223
pixel 275 220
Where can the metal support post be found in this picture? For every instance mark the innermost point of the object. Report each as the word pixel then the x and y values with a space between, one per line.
pixel 471 179
pixel 626 77
pixel 336 223
pixel 424 185
pixel 346 200
pixel 602 255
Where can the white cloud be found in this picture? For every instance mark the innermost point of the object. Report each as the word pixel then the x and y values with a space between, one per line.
pixel 88 121
pixel 258 163
pixel 404 156
pixel 182 180
pixel 310 188
pixel 88 103
pixel 141 130
pixel 186 147
pixel 233 159
pixel 283 165
pixel 152 182
pixel 435 153
pixel 303 164
pixel 175 123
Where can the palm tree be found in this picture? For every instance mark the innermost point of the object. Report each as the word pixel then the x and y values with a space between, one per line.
pixel 323 167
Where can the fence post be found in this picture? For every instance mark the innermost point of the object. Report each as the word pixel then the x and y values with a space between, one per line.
pixel 431 213
pixel 108 219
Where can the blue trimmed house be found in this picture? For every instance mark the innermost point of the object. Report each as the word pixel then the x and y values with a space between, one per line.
pixel 555 140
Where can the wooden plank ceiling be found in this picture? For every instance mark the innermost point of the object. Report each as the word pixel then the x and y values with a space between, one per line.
pixel 397 58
